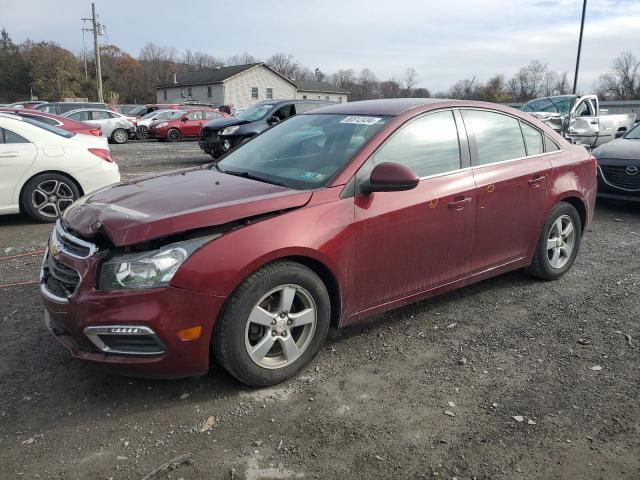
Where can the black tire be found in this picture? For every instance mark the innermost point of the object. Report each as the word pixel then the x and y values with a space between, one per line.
pixel 33 194
pixel 541 266
pixel 174 135
pixel 142 132
pixel 228 341
pixel 119 136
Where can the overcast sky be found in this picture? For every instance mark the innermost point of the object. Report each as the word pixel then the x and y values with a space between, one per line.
pixel 443 40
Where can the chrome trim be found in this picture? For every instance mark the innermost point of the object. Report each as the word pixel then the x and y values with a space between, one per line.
pixel 58 232
pixel 604 179
pixel 93 334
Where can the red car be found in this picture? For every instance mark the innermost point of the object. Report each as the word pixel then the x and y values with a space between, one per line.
pixel 325 219
pixel 183 124
pixel 56 121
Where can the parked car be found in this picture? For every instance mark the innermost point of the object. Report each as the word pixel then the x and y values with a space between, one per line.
pixel 58 108
pixel 619 166
pixel 580 118
pixel 118 128
pixel 55 120
pixel 223 135
pixel 27 104
pixel 143 110
pixel 143 123
pixel 182 124
pixel 332 216
pixel 45 169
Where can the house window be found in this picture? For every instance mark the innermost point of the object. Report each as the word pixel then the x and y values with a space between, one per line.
pixel 318 97
pixel 340 99
pixel 327 97
pixel 164 94
pixel 269 93
pixel 189 92
pixel 254 93
pixel 304 97
pixel 209 95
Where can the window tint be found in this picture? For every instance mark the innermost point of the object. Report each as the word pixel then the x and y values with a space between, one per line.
pixel 428 145
pixel 10 137
pixel 532 139
pixel 98 115
pixel 285 112
pixel 550 145
pixel 498 137
pixel 38 118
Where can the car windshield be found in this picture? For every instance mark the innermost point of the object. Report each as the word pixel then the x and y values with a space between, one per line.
pixel 137 110
pixel 634 133
pixel 303 152
pixel 257 112
pixel 49 128
pixel 560 105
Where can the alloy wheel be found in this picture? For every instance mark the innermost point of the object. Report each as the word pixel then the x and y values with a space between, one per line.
pixel 561 241
pixel 51 197
pixel 120 136
pixel 280 326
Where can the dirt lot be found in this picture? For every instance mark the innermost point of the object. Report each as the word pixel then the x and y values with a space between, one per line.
pixel 427 391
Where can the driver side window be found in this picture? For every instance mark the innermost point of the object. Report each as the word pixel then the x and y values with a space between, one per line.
pixel 585 109
pixel 194 116
pixel 285 112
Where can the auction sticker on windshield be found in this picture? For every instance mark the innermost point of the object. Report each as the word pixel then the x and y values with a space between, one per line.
pixel 358 120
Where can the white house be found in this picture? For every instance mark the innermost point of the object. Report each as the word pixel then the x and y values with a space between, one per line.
pixel 242 86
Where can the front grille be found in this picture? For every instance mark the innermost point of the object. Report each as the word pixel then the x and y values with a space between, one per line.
pixel 60 279
pixel 617 176
pixel 74 246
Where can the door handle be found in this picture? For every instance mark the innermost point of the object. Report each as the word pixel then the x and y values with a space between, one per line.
pixel 459 203
pixel 537 180
pixel 8 154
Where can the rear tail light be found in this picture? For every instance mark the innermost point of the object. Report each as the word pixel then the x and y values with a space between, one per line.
pixel 103 153
pixel 96 131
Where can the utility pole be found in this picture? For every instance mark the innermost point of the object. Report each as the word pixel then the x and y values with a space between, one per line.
pixel 575 77
pixel 96 29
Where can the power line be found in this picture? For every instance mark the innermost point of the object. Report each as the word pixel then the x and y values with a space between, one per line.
pixel 98 30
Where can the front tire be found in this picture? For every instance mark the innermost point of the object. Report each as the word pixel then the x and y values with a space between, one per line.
pixel 119 136
pixel 558 244
pixel 46 196
pixel 174 135
pixel 273 324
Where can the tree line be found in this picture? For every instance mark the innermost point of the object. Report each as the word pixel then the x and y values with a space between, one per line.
pixel 50 72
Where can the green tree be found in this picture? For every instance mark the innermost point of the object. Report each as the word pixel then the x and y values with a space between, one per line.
pixel 14 72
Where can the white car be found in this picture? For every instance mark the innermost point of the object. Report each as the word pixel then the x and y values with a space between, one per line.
pixel 143 123
pixel 44 169
pixel 115 126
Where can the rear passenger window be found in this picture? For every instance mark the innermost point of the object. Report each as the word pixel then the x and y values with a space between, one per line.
pixel 9 137
pixel 498 137
pixel 550 145
pixel 532 139
pixel 428 145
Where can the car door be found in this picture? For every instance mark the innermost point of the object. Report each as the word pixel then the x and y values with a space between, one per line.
pixel 584 124
pixel 192 123
pixel 411 241
pixel 512 179
pixel 17 154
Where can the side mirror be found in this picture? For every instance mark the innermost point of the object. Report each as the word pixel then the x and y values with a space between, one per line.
pixel 390 177
pixel 273 119
pixel 620 134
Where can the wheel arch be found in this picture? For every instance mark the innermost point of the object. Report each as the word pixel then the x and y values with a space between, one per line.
pixel 57 172
pixel 580 206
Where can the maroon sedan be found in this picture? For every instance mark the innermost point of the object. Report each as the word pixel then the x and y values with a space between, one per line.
pixel 56 121
pixel 185 123
pixel 326 219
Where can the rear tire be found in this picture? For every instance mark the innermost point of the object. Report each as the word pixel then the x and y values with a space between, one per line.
pixel 261 338
pixel 119 136
pixel 47 195
pixel 558 244
pixel 174 135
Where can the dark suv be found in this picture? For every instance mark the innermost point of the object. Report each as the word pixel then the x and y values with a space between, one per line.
pixel 220 136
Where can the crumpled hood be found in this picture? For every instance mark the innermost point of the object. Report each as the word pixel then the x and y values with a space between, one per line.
pixel 619 148
pixel 220 123
pixel 153 207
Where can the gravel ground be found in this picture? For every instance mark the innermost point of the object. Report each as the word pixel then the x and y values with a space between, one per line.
pixel 495 381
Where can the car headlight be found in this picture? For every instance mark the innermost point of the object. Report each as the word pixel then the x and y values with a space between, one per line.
pixel 162 124
pixel 230 130
pixel 150 269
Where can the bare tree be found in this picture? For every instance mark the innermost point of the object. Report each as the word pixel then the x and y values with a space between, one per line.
pixel 410 80
pixel 623 82
pixel 200 60
pixel 242 59
pixel 284 64
pixel 390 89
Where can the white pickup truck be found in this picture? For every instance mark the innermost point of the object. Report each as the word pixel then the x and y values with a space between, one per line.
pixel 580 119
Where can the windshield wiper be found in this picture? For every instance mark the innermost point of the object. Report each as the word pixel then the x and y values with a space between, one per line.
pixel 246 174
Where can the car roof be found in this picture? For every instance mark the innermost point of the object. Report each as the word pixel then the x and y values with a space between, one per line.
pixel 388 106
pixel 91 109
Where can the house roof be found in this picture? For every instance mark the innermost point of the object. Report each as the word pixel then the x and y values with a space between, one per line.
pixel 213 75
pixel 321 87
